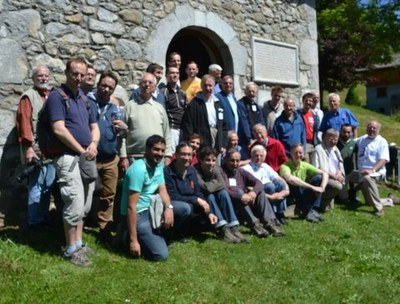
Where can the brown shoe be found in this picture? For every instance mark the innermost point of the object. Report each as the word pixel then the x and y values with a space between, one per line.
pixel 271 228
pixel 226 234
pixel 236 232
pixel 259 230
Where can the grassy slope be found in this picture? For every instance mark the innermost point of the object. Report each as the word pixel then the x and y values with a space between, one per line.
pixel 352 257
pixel 390 128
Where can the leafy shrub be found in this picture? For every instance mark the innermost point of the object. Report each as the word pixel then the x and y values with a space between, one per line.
pixel 352 97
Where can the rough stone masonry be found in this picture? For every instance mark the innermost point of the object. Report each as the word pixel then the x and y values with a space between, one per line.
pixel 126 35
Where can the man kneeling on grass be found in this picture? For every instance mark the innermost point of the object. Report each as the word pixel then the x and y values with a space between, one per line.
pixel 306 183
pixel 143 180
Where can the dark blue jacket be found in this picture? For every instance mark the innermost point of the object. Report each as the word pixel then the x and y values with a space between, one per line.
pixel 250 114
pixel 185 189
pixel 195 120
pixel 229 114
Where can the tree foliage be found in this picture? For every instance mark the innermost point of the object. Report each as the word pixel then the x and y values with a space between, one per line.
pixel 354 36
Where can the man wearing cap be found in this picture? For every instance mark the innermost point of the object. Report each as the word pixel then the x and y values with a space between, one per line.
pixel 215 71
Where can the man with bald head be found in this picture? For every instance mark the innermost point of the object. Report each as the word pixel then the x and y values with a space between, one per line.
pixel 158 71
pixel 372 156
pixel 289 126
pixel 144 117
pixel 41 180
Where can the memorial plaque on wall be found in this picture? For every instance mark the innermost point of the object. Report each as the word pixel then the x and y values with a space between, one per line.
pixel 275 62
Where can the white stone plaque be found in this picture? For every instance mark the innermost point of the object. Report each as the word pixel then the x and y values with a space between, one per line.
pixel 275 62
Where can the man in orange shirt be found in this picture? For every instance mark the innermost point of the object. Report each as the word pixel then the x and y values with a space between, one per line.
pixel 192 84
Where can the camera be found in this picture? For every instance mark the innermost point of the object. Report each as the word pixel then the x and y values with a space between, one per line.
pixel 31 167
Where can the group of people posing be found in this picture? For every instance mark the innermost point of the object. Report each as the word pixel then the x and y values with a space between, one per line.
pixel 213 161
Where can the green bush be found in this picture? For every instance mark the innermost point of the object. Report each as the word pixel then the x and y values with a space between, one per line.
pixel 352 97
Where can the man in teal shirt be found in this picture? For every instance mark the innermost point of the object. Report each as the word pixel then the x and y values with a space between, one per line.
pixel 144 179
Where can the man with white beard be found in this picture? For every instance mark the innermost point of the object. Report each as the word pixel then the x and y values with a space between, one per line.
pixel 42 178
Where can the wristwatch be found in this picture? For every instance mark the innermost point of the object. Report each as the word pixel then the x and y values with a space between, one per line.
pixel 169 206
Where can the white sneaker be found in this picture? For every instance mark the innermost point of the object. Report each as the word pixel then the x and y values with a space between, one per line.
pixel 387 202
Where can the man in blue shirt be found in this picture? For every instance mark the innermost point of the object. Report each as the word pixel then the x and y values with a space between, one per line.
pixel 143 180
pixel 75 126
pixel 112 126
pixel 337 116
pixel 289 126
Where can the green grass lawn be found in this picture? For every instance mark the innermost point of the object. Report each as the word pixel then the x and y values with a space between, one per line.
pixel 352 257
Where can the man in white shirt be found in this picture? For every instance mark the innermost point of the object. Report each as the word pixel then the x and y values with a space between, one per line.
pixel 372 156
pixel 327 157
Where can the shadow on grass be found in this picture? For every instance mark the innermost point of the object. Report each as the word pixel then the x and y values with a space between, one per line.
pixel 43 240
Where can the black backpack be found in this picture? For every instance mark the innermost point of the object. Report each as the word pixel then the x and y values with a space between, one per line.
pixel 49 143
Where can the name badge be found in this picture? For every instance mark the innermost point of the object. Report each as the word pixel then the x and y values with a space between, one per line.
pixel 232 182
pixel 220 116
pixel 254 108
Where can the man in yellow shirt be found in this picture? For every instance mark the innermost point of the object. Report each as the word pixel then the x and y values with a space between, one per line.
pixel 192 84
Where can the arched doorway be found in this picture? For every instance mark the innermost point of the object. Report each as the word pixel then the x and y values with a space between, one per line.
pixel 202 46
pixel 187 27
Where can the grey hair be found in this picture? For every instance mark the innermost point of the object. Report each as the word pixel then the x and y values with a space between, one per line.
pixel 257 148
pixel 206 77
pixel 335 95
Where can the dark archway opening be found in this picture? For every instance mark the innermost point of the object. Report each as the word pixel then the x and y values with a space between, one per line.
pixel 202 46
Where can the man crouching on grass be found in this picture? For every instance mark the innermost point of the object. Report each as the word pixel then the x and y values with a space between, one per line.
pixel 143 180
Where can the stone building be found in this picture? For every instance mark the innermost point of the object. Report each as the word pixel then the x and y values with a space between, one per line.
pixel 269 42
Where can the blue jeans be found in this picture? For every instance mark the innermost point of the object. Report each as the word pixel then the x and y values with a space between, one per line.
pixel 306 199
pixel 39 190
pixel 153 245
pixel 221 205
pixel 276 185
pixel 182 213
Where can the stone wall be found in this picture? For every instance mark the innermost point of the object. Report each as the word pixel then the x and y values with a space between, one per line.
pixel 126 35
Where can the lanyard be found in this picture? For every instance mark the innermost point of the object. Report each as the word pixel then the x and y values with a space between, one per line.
pixel 102 114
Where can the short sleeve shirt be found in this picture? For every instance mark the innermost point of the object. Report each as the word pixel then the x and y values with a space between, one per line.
pixel 77 117
pixel 304 171
pixel 371 150
pixel 264 173
pixel 336 120
pixel 141 178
